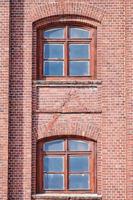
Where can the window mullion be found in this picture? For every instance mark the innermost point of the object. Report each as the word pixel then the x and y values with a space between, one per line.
pixel 66 52
pixel 92 168
pixel 65 166
pixel 40 55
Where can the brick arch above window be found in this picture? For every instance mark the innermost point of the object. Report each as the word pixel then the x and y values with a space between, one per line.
pixel 53 128
pixel 65 18
pixel 65 8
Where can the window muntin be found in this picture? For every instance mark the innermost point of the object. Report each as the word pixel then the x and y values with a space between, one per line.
pixel 69 163
pixel 67 51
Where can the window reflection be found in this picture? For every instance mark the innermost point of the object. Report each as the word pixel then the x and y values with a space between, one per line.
pixel 54 182
pixel 78 145
pixel 53 164
pixel 54 33
pixel 55 145
pixel 53 51
pixel 79 68
pixel 78 181
pixel 79 33
pixel 78 163
pixel 79 51
pixel 53 68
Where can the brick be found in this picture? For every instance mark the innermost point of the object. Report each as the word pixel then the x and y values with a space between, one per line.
pixel 101 110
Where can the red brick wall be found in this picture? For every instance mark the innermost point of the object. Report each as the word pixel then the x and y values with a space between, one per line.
pixel 20 104
pixel 4 83
pixel 99 109
pixel 129 95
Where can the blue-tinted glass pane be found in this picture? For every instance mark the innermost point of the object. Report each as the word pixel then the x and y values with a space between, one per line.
pixel 53 51
pixel 77 145
pixel 79 163
pixel 54 33
pixel 53 68
pixel 55 145
pixel 78 51
pixel 79 33
pixel 79 68
pixel 53 164
pixel 79 181
pixel 53 182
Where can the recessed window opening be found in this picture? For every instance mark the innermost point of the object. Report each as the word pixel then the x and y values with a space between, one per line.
pixel 67 51
pixel 67 165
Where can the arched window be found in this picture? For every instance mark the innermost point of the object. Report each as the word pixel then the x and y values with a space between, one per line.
pixel 67 52
pixel 66 165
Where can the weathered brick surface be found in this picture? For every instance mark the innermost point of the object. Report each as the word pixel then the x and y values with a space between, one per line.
pixel 82 99
pixel 103 113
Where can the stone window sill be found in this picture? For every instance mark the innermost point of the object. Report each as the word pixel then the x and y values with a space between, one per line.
pixel 70 83
pixel 66 196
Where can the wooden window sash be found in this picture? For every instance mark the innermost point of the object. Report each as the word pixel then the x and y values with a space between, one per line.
pixel 66 41
pixel 91 171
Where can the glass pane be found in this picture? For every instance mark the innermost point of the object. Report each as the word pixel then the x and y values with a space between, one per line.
pixel 53 182
pixel 79 51
pixel 79 33
pixel 53 164
pixel 77 145
pixel 53 51
pixel 79 68
pixel 54 33
pixel 79 163
pixel 55 145
pixel 53 68
pixel 79 181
